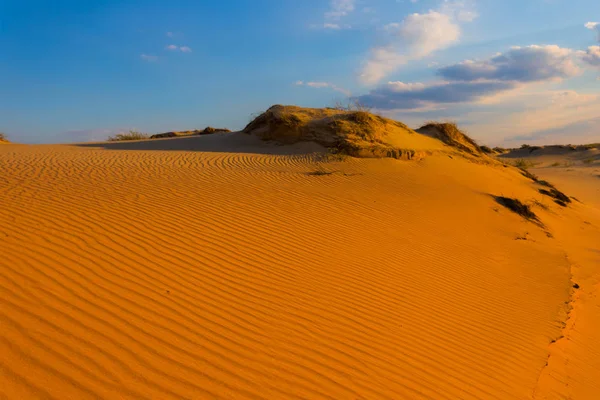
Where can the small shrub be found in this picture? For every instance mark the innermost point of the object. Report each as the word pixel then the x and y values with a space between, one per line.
pixel 451 134
pixel 523 164
pixel 559 197
pixel 351 105
pixel 131 135
pixel 517 207
pixel 486 150
pixel 3 137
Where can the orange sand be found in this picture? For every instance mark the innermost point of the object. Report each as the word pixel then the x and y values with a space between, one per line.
pixel 219 267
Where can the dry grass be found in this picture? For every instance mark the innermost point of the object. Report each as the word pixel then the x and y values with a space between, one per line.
pixel 351 133
pixel 487 150
pixel 131 135
pixel 559 197
pixel 523 164
pixel 449 133
pixel 516 206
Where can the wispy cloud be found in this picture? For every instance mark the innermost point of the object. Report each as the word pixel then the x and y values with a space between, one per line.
pixel 170 34
pixel 321 85
pixel 416 37
pixel 338 9
pixel 148 57
pixel 183 49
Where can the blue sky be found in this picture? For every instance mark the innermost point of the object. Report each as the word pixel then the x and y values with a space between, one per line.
pixel 510 71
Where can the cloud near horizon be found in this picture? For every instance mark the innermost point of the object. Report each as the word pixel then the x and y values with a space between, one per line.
pixel 470 81
pixel 519 64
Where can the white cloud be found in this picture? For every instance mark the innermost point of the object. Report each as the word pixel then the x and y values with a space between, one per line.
pixel 170 34
pixel 594 26
pixel 183 49
pixel 591 56
pixel 321 85
pixel 327 25
pixel 148 57
pixel 417 36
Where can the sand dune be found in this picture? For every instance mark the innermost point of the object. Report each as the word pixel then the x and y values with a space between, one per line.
pixel 223 267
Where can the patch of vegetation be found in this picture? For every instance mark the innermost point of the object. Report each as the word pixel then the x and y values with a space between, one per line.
pixel 589 160
pixel 351 105
pixel 529 175
pixel 131 135
pixel 334 155
pixel 500 150
pixel 320 172
pixel 3 137
pixel 556 164
pixel 591 146
pixel 539 204
pixel 486 150
pixel 523 164
pixel 559 197
pixel 449 133
pixel 516 206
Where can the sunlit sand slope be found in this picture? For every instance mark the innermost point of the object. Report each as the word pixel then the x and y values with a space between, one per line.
pixel 174 269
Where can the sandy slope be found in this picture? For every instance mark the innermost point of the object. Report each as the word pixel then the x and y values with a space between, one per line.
pixel 175 269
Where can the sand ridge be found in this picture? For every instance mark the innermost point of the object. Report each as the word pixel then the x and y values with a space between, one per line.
pixel 221 267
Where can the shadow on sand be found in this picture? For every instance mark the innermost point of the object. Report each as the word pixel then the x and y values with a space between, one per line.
pixel 234 142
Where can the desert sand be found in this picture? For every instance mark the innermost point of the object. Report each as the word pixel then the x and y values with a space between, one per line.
pixel 228 267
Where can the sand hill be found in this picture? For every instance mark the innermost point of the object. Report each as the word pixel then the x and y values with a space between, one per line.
pixel 228 266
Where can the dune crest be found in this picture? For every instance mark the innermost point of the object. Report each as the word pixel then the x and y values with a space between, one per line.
pixel 356 133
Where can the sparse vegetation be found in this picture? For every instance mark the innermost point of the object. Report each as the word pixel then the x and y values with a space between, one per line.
pixel 3 137
pixel 449 133
pixel 523 164
pixel 351 105
pixel 351 133
pixel 529 175
pixel 500 150
pixel 516 206
pixel 589 160
pixel 539 204
pixel 556 164
pixel 559 197
pixel 131 135
pixel 486 150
